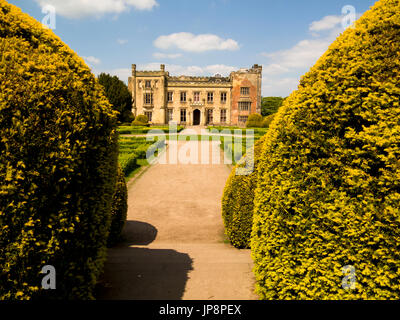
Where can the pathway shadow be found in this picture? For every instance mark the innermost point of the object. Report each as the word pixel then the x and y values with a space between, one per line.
pixel 138 233
pixel 144 274
pixel 133 273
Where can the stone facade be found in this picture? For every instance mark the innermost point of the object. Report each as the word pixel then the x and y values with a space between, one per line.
pixel 196 100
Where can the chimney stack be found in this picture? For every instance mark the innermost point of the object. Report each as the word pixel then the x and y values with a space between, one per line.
pixel 163 67
pixel 133 69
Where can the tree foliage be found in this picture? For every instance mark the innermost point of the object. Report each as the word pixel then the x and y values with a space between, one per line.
pixel 270 105
pixel 119 96
pixel 119 209
pixel 238 198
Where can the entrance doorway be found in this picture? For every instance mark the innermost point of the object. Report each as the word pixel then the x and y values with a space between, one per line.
pixel 196 117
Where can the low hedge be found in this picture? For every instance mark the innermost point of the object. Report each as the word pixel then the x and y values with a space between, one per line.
pixel 145 129
pixel 238 198
pixel 328 193
pixel 132 151
pixel 58 159
pixel 137 123
pixel 119 209
pixel 128 162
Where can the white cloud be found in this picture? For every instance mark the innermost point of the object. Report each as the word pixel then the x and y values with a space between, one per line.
pixel 122 41
pixel 92 60
pixel 142 4
pixel 77 9
pixel 274 68
pixel 159 55
pixel 302 55
pixel 326 23
pixel 220 69
pixel 195 43
pixel 279 87
pixel 283 69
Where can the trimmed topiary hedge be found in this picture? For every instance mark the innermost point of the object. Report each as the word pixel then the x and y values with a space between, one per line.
pixel 328 194
pixel 268 120
pixel 254 121
pixel 238 198
pixel 137 123
pixel 119 209
pixel 58 159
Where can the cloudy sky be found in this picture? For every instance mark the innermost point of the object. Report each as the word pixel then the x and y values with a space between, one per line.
pixel 200 37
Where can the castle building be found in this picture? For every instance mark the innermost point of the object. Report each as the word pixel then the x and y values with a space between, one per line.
pixel 217 100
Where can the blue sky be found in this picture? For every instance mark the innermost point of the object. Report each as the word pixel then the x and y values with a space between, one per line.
pixel 201 37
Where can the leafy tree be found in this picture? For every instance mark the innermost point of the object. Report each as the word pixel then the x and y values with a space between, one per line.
pixel 270 105
pixel 119 96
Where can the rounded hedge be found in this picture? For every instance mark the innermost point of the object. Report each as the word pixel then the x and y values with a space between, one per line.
pixel 238 198
pixel 58 159
pixel 119 209
pixel 268 120
pixel 254 121
pixel 328 193
pixel 142 118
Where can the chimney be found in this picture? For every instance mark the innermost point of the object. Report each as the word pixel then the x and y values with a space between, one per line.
pixel 257 67
pixel 133 69
pixel 163 67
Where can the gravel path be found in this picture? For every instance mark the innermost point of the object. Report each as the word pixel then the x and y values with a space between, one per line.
pixel 174 246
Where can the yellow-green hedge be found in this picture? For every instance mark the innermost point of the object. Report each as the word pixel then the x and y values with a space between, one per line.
pixel 268 120
pixel 119 209
pixel 238 198
pixel 58 163
pixel 254 121
pixel 328 194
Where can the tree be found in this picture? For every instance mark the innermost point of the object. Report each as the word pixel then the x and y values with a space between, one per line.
pixel 119 96
pixel 270 105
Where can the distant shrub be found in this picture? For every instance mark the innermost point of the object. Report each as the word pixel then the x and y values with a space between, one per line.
pixel 128 117
pixel 119 209
pixel 238 198
pixel 137 123
pixel 328 193
pixel 267 120
pixel 58 163
pixel 142 118
pixel 254 121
